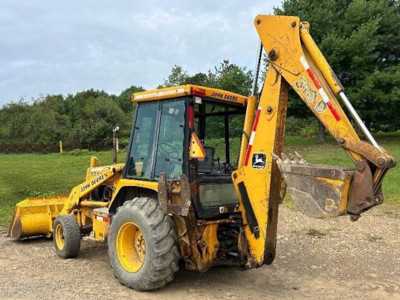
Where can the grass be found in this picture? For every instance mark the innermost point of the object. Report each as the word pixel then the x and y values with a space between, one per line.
pixel 27 175
pixel 30 175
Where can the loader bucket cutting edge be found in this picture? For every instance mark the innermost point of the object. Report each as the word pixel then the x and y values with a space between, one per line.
pixel 318 191
pixel 34 216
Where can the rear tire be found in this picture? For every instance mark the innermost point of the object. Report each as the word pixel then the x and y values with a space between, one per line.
pixel 66 236
pixel 141 224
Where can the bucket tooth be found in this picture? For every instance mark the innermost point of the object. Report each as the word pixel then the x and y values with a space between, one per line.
pixel 300 159
pixel 291 158
pixel 285 158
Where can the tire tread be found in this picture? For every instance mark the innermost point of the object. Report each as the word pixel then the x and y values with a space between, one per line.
pixel 72 237
pixel 165 255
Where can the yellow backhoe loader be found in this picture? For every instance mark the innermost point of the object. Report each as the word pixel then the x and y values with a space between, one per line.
pixel 184 198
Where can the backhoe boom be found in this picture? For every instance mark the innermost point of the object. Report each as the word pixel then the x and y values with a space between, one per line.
pixel 321 191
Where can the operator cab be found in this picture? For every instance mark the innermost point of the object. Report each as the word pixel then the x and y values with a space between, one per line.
pixel 193 131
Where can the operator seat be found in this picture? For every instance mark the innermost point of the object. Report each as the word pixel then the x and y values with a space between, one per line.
pixel 206 166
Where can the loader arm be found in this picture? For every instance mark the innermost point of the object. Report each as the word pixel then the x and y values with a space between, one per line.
pixel 320 191
pixel 35 216
pixel 93 180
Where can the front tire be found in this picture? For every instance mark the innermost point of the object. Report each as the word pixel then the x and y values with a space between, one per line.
pixel 66 236
pixel 142 245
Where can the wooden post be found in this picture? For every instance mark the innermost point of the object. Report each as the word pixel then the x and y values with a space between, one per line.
pixel 60 146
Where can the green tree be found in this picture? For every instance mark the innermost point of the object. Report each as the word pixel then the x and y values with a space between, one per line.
pixel 98 116
pixel 13 118
pixel 83 120
pixel 361 41
pixel 125 98
pixel 231 77
pixel 225 75
pixel 177 76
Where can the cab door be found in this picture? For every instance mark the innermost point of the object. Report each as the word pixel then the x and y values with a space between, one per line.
pixel 157 140
pixel 143 138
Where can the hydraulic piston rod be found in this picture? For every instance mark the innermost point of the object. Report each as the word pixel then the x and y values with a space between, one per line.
pixel 360 123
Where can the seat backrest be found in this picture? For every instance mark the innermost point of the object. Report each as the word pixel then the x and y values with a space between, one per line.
pixel 206 166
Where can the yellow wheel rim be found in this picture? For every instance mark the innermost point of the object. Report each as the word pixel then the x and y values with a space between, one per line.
pixel 131 247
pixel 59 237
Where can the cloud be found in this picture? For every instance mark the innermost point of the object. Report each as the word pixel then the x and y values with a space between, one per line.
pixel 66 46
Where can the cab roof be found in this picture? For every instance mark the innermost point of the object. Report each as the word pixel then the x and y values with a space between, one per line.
pixel 189 90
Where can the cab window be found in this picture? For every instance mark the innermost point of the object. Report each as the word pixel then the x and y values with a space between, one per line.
pixel 158 140
pixel 140 155
pixel 169 158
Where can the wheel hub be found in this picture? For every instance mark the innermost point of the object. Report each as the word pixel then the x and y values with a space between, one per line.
pixel 59 237
pixel 130 247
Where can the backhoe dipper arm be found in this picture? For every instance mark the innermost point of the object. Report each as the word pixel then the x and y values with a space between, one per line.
pixel 296 61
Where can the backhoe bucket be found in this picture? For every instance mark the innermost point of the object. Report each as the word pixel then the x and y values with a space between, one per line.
pixel 318 191
pixel 34 217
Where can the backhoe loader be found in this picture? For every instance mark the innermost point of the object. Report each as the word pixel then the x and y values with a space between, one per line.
pixel 182 199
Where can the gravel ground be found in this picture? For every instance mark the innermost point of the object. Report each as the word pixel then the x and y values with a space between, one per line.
pixel 331 259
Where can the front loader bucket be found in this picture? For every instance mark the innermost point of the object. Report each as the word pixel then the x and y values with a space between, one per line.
pixel 34 217
pixel 318 191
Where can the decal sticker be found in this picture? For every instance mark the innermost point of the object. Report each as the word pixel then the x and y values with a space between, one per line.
pixel 259 160
pixel 320 107
pixel 225 96
pixel 92 183
pixel 223 209
pixel 304 85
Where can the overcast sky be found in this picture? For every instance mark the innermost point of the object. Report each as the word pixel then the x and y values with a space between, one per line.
pixel 49 47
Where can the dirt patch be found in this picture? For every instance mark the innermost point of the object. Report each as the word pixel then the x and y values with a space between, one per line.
pixel 331 259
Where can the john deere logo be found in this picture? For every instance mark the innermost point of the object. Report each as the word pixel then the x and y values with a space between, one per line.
pixel 259 160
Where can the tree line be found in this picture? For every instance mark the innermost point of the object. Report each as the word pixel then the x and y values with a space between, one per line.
pixel 85 120
pixel 360 39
